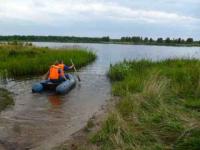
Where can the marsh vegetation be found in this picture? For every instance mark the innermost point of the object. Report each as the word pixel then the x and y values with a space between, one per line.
pixel 22 59
pixel 158 107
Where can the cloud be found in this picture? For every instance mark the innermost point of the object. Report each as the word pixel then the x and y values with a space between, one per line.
pixel 101 17
pixel 62 11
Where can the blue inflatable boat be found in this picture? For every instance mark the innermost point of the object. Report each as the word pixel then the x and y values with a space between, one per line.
pixel 60 88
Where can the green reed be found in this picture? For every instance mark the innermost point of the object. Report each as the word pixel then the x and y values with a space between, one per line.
pixel 158 107
pixel 27 60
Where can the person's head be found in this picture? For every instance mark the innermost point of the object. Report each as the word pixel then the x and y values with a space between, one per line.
pixel 56 63
pixel 61 62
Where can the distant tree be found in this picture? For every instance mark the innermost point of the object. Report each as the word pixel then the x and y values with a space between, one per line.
pixel 167 40
pixel 189 40
pixel 146 39
pixel 151 40
pixel 160 40
pixel 123 39
pixel 106 38
pixel 182 41
pixel 129 39
pixel 136 39
pixel 179 40
pixel 174 41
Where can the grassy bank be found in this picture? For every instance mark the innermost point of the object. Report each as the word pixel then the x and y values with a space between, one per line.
pixel 20 59
pixel 158 107
pixel 5 99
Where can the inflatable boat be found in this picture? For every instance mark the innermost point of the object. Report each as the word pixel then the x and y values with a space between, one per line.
pixel 60 88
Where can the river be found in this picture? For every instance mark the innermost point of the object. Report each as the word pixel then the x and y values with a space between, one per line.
pixel 41 121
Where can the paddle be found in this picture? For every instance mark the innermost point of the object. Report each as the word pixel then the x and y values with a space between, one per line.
pixel 75 71
pixel 45 76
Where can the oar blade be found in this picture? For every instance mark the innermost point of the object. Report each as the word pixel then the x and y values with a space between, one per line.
pixel 78 78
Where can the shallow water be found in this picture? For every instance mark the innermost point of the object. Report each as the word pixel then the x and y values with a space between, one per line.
pixel 40 121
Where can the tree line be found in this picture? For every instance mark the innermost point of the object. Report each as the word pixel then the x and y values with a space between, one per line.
pixel 137 39
pixel 54 38
pixel 105 39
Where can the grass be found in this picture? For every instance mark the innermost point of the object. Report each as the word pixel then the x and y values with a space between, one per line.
pixel 158 108
pixel 20 59
pixel 5 99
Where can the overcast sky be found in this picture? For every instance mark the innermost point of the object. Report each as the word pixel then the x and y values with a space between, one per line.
pixel 115 18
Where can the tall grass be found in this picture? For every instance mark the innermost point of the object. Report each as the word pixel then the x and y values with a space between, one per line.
pixel 27 60
pixel 5 99
pixel 158 108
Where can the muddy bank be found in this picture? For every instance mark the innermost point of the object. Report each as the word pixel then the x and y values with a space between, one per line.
pixel 82 138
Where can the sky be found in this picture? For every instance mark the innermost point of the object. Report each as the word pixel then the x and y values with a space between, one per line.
pixel 96 18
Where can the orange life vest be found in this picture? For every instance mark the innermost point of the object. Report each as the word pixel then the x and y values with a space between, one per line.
pixel 62 66
pixel 53 72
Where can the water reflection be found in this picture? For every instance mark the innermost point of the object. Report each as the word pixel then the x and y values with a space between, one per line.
pixel 55 100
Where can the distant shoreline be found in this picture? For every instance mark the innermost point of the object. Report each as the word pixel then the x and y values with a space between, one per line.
pixel 121 43
pixel 135 40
